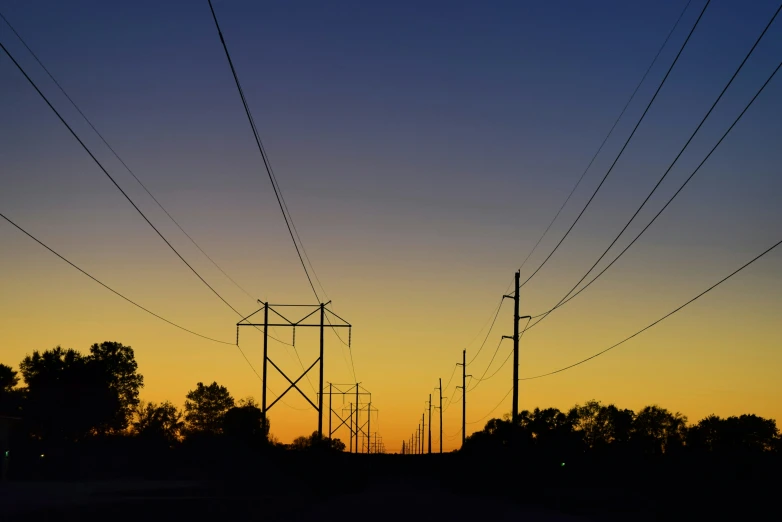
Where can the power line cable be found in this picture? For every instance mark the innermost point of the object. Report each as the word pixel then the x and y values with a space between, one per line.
pixel 116 155
pixel 141 307
pixel 610 132
pixel 261 149
pixel 111 178
pixel 277 192
pixel 451 377
pixel 569 297
pixel 492 410
pixel 494 320
pixel 107 287
pixel 689 140
pixel 712 287
pixel 483 377
pixel 627 142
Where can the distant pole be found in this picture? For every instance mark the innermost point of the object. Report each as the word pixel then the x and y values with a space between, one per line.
pixel 423 427
pixel 330 410
pixel 516 351
pixel 369 426
pixel 441 416
pixel 350 450
pixel 429 443
pixel 358 426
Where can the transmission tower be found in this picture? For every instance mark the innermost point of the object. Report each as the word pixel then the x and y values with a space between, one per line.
pixel 301 323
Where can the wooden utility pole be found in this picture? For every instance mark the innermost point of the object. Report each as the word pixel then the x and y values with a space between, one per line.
pixel 441 414
pixel 463 364
pixel 515 337
pixel 516 350
pixel 429 444
pixel 423 427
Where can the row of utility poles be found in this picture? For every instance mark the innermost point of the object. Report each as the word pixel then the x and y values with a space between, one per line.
pixel 360 434
pixel 415 444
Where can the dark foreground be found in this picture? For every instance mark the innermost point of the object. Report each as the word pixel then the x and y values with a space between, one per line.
pixel 392 487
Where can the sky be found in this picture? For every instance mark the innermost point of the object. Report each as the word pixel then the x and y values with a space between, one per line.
pixel 422 149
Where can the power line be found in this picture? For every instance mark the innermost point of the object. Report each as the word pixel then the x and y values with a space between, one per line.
pixel 492 410
pixel 490 361
pixel 107 287
pixel 451 377
pixel 712 287
pixel 261 150
pixel 111 178
pixel 627 142
pixel 483 377
pixel 147 310
pixel 494 320
pixel 116 155
pixel 272 179
pixel 566 299
pixel 610 132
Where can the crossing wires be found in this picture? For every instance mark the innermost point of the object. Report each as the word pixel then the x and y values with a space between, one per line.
pixel 626 143
pixel 298 245
pixel 122 161
pixel 610 132
pixel 570 295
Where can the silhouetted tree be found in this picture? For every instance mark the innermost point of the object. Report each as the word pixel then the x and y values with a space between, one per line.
pixel 245 422
pixel 593 423
pixel 747 433
pixel 8 379
pixel 206 407
pixel 158 422
pixel 69 395
pixel 317 443
pixel 10 396
pixel 657 431
pixel 118 365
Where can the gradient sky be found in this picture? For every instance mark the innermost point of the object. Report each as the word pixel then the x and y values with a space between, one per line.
pixel 422 150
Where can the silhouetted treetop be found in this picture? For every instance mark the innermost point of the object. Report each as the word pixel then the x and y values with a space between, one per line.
pixel 205 408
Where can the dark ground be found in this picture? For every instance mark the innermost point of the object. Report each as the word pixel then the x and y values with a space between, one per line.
pixel 391 487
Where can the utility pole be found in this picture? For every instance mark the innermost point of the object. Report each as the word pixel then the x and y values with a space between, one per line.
pixel 369 427
pixel 320 367
pixel 330 410
pixel 441 414
pixel 429 447
pixel 350 448
pixel 516 319
pixel 358 436
pixel 463 364
pixel 265 355
pixel 423 427
pixel 515 415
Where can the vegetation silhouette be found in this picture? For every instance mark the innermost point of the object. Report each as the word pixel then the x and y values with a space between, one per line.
pixel 80 417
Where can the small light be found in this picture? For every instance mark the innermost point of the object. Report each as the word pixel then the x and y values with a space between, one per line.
pixel 563 464
pixel 7 453
pixel 42 455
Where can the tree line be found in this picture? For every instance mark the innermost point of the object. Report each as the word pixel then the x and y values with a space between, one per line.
pixel 606 429
pixel 62 397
